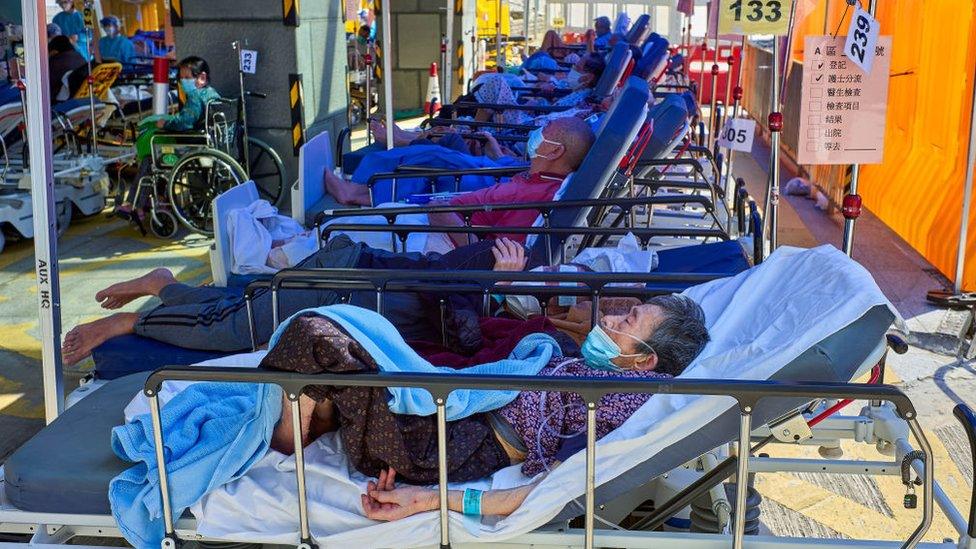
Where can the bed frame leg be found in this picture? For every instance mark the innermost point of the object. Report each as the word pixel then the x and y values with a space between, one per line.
pixel 742 473
pixel 442 471
pixel 296 424
pixel 250 323
pixel 590 473
pixel 169 540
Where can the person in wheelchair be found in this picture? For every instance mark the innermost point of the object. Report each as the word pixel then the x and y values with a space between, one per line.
pixel 195 84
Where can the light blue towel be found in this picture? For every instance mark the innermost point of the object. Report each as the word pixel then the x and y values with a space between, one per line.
pixel 383 342
pixel 212 433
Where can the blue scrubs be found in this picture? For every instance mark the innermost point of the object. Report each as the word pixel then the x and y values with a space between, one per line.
pixel 603 40
pixel 74 24
pixel 119 48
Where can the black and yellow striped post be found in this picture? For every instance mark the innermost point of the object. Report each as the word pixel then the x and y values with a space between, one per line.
pixel 290 12
pixel 176 13
pixel 296 99
pixel 459 64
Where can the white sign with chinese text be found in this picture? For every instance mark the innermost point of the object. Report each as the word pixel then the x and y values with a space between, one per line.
pixel 862 38
pixel 737 134
pixel 249 61
pixel 843 109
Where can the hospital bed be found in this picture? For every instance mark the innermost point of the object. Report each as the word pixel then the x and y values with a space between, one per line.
pixel 54 501
pixel 81 180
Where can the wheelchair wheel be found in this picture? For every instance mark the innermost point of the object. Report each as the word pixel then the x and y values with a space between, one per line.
pixel 163 224
pixel 266 170
pixel 195 180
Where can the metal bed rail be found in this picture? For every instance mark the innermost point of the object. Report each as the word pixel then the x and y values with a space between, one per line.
pixel 483 283
pixel 432 175
pixel 644 235
pixel 546 208
pixel 747 395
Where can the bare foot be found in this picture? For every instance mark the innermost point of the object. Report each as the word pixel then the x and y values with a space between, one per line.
pixel 79 342
pixel 346 192
pixel 118 295
pixel 378 129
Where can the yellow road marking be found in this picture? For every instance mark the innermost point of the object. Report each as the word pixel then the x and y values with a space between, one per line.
pixel 14 403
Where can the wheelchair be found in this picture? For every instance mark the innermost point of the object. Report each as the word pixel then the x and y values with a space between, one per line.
pixel 189 170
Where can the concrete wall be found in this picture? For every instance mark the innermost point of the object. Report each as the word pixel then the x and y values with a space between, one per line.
pixel 417 29
pixel 315 49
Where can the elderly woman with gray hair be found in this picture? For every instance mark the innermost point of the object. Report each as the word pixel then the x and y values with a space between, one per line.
pixel 659 338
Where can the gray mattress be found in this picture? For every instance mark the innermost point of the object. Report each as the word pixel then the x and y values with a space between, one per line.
pixel 66 468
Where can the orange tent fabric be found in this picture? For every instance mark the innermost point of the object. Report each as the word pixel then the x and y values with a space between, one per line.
pixel 918 190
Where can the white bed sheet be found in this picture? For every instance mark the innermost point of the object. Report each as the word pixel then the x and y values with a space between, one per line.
pixel 759 321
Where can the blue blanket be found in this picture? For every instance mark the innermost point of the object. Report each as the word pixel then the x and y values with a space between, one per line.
pixel 382 341
pixel 430 156
pixel 213 433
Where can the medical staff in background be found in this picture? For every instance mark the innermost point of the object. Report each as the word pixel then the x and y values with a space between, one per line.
pixel 72 25
pixel 114 44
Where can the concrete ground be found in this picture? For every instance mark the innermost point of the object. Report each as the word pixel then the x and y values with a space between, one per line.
pixel 97 252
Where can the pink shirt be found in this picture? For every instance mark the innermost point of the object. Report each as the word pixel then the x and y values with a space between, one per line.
pixel 523 187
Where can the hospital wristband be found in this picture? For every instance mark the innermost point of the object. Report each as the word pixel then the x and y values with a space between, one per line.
pixel 471 502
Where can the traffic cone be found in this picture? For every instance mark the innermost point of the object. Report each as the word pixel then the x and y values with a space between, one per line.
pixel 433 102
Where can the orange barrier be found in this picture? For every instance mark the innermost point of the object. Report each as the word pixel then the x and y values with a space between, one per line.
pixel 918 189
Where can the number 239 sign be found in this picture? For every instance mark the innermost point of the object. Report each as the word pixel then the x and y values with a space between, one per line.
pixel 862 37
pixel 754 16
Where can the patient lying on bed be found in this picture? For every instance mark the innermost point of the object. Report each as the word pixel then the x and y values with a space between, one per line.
pixel 216 319
pixel 563 145
pixel 658 338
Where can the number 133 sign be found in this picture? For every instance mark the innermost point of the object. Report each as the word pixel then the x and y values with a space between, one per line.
pixel 755 17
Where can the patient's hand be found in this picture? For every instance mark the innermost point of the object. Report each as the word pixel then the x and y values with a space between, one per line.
pixel 384 501
pixel 509 255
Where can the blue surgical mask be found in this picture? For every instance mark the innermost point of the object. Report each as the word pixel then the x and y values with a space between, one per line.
pixel 535 140
pixel 573 78
pixel 189 85
pixel 599 350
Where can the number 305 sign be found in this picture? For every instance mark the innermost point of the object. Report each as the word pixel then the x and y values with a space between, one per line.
pixel 754 17
pixel 737 134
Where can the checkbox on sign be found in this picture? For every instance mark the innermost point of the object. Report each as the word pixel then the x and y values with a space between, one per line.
pixel 818 78
pixel 816 92
pixel 813 120
pixel 821 64
pixel 812 146
pixel 816 106
pixel 812 133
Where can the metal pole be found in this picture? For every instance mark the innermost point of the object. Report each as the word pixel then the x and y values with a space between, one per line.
pixel 239 48
pixel 711 111
pixel 296 426
pixel 157 429
pixel 43 202
pixel 967 193
pixel 741 478
pixel 525 23
pixel 852 202
pixel 388 71
pixel 442 471
pixel 368 61
pixel 590 473
pixel 788 54
pixel 771 205
pixel 90 37
pixel 498 36
pixel 736 98
pixel 449 54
